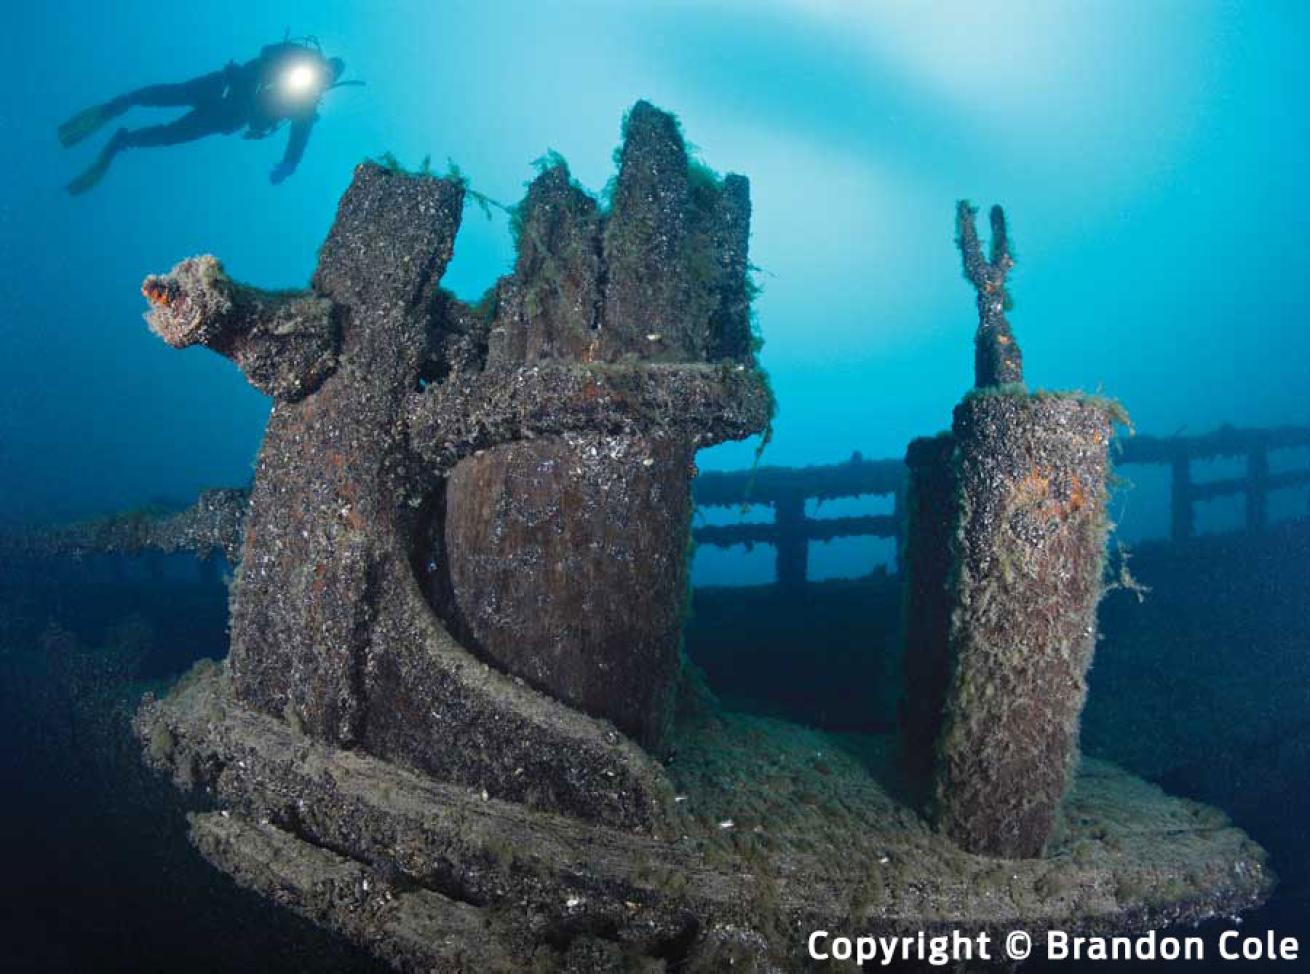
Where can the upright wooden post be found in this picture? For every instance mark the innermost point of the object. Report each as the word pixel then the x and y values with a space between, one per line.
pixel 1028 541
pixel 793 546
pixel 899 517
pixel 931 517
pixel 1180 498
pixel 1005 568
pixel 1257 490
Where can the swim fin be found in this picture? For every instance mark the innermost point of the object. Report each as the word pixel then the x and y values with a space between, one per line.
pixel 96 171
pixel 93 174
pixel 88 122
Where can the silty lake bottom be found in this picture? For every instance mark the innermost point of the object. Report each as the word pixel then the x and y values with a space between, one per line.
pixel 511 651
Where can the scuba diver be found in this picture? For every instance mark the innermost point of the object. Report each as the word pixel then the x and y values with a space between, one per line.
pixel 284 83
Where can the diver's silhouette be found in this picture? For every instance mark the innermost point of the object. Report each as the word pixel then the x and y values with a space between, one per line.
pixel 284 83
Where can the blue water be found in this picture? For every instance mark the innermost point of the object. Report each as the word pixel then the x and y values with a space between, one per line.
pixel 1151 157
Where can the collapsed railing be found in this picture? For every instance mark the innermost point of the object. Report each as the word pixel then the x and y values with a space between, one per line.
pixel 1179 452
pixel 214 523
pixel 787 490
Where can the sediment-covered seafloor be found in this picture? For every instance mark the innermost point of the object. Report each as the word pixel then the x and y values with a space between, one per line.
pixel 455 725
pixel 775 831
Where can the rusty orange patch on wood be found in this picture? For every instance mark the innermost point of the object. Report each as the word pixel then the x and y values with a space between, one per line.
pixel 156 294
pixel 1078 498
pixel 1033 493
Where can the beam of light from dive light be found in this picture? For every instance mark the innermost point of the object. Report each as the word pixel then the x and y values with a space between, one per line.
pixel 301 80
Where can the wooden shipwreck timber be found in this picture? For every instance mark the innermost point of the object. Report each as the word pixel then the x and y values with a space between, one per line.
pixel 454 724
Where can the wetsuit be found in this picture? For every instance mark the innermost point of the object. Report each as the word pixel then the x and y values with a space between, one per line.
pixel 237 96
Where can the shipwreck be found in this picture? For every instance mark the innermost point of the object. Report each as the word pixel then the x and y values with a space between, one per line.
pixel 455 725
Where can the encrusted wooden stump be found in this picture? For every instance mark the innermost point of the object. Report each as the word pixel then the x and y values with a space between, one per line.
pixel 565 556
pixel 1005 557
pixel 565 427
pixel 456 618
pixel 1030 555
